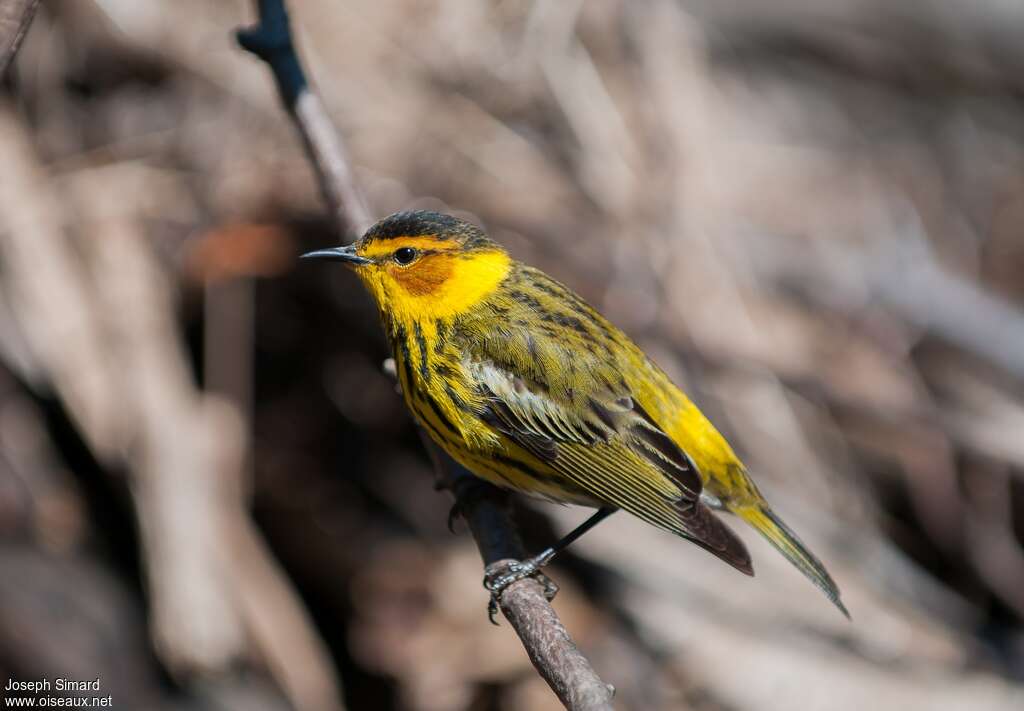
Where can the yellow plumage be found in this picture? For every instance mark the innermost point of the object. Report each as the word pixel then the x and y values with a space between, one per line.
pixel 526 385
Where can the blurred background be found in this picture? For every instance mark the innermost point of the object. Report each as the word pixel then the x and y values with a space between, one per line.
pixel 809 213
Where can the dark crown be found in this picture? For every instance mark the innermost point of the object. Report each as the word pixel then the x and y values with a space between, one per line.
pixel 423 223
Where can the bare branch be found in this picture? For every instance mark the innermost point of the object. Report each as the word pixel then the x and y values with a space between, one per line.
pixel 271 41
pixel 484 507
pixel 551 649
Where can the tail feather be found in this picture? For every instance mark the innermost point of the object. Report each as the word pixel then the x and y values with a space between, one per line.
pixel 788 544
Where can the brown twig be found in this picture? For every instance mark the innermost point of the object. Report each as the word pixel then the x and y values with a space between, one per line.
pixel 15 18
pixel 484 507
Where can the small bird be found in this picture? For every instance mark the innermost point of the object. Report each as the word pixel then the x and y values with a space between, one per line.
pixel 526 385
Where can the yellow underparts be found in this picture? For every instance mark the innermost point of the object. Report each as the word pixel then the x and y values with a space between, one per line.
pixel 418 301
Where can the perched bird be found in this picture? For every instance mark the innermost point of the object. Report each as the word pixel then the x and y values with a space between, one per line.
pixel 522 382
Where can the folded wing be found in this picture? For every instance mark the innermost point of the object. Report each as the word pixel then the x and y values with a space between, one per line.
pixel 604 443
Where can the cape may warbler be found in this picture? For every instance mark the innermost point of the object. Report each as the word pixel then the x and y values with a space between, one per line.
pixel 523 383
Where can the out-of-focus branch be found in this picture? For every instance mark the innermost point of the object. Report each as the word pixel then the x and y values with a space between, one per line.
pixel 910 281
pixel 216 588
pixel 107 343
pixel 15 18
pixel 484 507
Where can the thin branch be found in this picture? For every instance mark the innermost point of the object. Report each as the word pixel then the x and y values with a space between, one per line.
pixel 484 507
pixel 524 604
pixel 15 18
pixel 271 41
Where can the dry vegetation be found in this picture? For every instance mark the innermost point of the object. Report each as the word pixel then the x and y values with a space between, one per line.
pixel 211 497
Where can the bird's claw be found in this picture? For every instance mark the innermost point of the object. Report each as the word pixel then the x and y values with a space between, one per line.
pixel 497 581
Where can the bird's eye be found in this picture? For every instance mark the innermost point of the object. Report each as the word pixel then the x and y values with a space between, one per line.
pixel 405 255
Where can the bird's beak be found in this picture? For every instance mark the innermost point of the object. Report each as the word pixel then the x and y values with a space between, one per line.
pixel 345 254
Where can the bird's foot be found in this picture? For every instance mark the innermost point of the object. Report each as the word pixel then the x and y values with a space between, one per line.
pixel 501 576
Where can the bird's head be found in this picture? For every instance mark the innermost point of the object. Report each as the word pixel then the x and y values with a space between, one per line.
pixel 424 264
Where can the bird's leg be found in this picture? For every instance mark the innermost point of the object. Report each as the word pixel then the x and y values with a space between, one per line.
pixel 498 580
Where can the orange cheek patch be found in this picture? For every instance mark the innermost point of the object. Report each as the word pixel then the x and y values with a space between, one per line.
pixel 425 276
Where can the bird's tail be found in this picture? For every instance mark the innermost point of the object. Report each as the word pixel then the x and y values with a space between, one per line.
pixel 762 518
